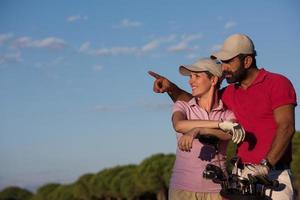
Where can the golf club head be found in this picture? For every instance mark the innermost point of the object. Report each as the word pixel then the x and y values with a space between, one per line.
pixel 264 180
pixel 214 172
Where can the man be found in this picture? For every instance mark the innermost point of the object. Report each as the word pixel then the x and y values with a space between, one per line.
pixel 263 103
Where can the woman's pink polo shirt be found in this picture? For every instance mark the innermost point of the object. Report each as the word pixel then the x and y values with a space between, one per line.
pixel 189 166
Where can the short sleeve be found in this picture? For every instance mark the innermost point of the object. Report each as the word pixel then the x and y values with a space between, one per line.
pixel 282 92
pixel 229 115
pixel 180 106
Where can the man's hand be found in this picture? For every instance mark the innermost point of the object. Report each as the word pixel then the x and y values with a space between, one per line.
pixel 236 130
pixel 185 143
pixel 161 84
pixel 255 170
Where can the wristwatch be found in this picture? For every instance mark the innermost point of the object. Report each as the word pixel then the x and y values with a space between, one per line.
pixel 265 162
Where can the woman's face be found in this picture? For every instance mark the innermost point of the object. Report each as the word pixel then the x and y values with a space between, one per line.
pixel 200 83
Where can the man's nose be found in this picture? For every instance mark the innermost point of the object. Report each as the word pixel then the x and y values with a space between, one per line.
pixel 224 67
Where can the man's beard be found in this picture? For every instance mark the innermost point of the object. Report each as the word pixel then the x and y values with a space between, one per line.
pixel 237 76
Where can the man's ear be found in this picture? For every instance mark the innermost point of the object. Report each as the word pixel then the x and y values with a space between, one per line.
pixel 248 62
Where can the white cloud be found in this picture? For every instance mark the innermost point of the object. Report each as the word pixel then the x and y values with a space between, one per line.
pixel 133 50
pixel 22 42
pixel 5 37
pixel 50 43
pixel 145 105
pixel 108 108
pixel 155 106
pixel 112 51
pixel 182 47
pixel 184 44
pixel 85 47
pixel 150 45
pixel 169 38
pixel 58 60
pixel 74 18
pixel 115 51
pixel 230 24
pixel 216 47
pixel 10 57
pixel 98 67
pixel 155 43
pixel 192 56
pixel 192 37
pixel 126 23
pixel 220 18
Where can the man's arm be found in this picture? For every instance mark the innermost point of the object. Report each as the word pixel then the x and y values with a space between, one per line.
pixel 285 119
pixel 162 84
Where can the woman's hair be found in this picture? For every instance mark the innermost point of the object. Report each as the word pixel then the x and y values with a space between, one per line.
pixel 210 75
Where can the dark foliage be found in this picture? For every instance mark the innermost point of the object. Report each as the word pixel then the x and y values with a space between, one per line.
pixel 147 181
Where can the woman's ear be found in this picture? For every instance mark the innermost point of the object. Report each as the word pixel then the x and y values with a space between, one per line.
pixel 214 80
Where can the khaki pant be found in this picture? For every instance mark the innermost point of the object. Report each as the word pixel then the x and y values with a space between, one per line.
pixel 176 194
pixel 285 179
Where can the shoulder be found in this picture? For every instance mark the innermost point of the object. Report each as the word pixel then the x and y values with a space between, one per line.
pixel 180 106
pixel 275 77
pixel 280 89
pixel 278 83
pixel 226 91
pixel 181 103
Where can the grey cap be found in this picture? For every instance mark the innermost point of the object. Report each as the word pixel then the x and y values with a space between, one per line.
pixel 203 64
pixel 234 45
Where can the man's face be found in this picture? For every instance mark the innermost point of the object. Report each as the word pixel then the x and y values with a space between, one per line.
pixel 234 70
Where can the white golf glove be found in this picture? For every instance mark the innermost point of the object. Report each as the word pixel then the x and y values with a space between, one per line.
pixel 236 130
pixel 255 170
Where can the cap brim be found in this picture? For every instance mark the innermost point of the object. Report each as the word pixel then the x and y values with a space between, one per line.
pixel 222 55
pixel 186 70
pixel 183 70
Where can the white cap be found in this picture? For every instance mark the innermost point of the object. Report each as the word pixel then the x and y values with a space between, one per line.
pixel 204 64
pixel 234 45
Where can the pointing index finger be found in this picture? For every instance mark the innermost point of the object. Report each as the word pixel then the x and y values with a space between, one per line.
pixel 155 75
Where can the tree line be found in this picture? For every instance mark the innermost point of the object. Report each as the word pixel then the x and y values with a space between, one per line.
pixel 148 180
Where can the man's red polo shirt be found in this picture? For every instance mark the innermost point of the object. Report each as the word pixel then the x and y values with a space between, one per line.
pixel 253 108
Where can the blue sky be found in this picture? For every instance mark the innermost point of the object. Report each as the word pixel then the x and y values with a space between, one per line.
pixel 75 93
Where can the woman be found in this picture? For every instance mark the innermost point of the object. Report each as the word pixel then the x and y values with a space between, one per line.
pixel 204 114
